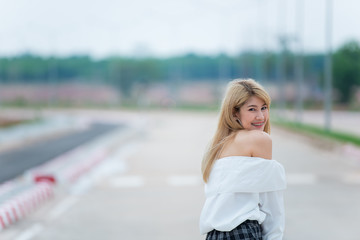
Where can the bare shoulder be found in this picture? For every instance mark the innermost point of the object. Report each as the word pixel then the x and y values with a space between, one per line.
pixel 259 136
pixel 249 143
pixel 260 144
pixel 252 136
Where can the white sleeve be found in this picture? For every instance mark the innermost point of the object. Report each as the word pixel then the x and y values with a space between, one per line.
pixel 272 204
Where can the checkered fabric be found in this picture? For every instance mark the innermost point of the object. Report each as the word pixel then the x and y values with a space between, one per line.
pixel 248 230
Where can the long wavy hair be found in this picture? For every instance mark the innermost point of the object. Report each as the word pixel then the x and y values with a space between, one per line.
pixel 237 93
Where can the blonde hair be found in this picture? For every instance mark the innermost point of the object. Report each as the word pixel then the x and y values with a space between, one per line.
pixel 237 93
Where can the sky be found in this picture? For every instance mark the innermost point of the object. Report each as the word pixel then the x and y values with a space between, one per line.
pixel 102 28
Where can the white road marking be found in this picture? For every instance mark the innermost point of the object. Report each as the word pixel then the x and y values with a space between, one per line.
pixel 127 181
pixel 184 180
pixel 30 232
pixel 62 207
pixel 301 178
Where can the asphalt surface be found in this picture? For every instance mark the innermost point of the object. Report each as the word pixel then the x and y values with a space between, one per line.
pixel 14 162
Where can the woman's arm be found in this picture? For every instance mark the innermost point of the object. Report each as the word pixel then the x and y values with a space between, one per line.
pixel 272 204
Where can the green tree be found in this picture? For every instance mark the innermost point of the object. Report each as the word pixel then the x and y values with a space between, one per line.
pixel 346 70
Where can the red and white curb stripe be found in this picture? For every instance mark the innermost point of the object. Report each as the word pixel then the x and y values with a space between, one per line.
pixel 19 205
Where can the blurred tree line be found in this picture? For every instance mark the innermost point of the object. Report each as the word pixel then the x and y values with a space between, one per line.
pixel 346 71
pixel 124 72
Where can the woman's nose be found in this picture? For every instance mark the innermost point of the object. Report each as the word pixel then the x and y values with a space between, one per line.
pixel 260 115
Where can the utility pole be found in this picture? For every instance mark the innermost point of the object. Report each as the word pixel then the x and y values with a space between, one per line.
pixel 280 61
pixel 299 62
pixel 328 66
pixel 280 69
pixel 260 37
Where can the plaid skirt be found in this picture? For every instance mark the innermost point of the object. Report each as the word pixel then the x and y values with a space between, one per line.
pixel 248 230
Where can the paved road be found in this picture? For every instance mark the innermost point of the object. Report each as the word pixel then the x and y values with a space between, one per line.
pixel 14 162
pixel 159 195
pixel 323 188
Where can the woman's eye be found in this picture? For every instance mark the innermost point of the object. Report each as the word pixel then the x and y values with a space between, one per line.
pixel 251 109
pixel 264 108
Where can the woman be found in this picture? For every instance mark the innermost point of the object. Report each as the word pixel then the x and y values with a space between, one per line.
pixel 243 186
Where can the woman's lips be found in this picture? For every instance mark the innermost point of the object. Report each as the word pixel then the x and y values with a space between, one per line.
pixel 258 124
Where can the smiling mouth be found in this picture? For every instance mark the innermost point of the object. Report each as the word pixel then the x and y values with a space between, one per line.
pixel 257 124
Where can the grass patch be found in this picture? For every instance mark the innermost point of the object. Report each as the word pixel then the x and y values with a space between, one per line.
pixel 311 129
pixel 194 107
pixel 7 123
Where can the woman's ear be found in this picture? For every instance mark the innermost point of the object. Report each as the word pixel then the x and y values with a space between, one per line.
pixel 237 115
pixel 235 112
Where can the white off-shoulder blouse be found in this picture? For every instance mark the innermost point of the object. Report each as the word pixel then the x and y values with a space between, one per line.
pixel 243 188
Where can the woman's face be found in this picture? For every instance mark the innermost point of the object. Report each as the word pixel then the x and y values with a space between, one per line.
pixel 253 114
